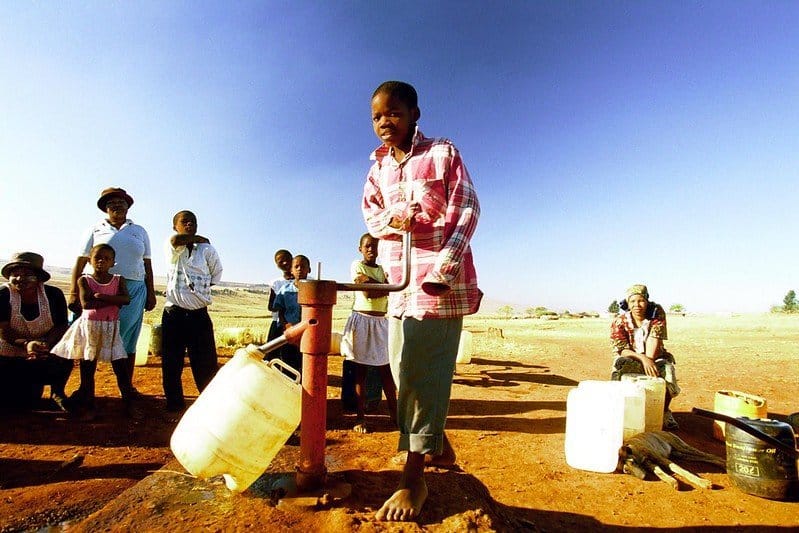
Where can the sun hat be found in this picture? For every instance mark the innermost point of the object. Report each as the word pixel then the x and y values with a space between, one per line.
pixel 638 289
pixel 113 192
pixel 31 260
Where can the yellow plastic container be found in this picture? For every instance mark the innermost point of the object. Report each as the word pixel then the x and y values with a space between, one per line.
pixel 240 421
pixel 335 343
pixel 143 345
pixel 465 348
pixel 736 404
pixel 655 398
pixel 599 416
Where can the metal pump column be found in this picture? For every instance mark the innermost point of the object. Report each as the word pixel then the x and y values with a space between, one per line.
pixel 317 298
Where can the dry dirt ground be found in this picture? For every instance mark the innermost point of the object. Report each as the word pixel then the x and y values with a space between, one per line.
pixel 506 422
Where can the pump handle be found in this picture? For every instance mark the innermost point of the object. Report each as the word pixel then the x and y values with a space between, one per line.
pixel 406 274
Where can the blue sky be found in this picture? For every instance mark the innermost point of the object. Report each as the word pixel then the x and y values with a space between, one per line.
pixel 609 142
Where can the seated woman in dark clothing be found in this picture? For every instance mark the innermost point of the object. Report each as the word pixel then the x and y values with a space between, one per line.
pixel 637 336
pixel 33 317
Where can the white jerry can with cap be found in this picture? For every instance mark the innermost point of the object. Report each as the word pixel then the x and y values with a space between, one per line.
pixel 240 421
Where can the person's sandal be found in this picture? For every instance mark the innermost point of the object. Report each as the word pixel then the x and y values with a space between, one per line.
pixel 60 402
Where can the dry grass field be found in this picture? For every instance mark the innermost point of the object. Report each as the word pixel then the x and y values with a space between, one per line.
pixel 506 421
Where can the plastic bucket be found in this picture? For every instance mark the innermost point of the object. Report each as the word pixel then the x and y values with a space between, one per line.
pixel 737 404
pixel 240 421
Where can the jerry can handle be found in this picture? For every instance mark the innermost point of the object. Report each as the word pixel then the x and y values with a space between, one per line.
pixel 285 368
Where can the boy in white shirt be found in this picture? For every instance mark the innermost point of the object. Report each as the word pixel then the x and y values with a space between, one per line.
pixel 186 326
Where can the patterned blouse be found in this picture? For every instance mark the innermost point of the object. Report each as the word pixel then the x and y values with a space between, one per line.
pixel 625 336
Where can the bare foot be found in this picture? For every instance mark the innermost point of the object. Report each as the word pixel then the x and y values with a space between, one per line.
pixel 405 504
pixel 360 427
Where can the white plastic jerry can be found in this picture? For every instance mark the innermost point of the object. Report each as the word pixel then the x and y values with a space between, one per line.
pixel 599 416
pixel 240 421
pixel 464 348
pixel 655 399
pixel 143 345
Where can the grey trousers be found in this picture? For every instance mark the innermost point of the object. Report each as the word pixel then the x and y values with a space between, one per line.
pixel 422 355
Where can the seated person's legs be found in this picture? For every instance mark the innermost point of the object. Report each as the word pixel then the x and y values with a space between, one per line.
pixel 16 388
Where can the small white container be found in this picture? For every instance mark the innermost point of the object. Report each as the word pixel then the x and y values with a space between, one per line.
pixel 143 345
pixel 464 348
pixel 655 390
pixel 335 343
pixel 240 421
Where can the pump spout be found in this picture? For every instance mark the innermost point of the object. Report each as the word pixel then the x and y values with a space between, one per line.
pixel 291 335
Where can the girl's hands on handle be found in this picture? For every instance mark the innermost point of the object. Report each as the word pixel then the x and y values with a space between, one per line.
pixel 407 222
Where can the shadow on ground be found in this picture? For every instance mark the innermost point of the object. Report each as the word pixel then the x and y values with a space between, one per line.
pixel 169 499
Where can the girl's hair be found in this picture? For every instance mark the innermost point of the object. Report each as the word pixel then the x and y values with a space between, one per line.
pixel 97 247
pixel 282 252
pixel 364 237
pixel 399 89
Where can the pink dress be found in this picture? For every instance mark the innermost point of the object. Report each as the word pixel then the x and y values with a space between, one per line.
pixel 95 333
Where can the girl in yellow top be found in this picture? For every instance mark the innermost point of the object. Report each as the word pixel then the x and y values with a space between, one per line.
pixel 366 333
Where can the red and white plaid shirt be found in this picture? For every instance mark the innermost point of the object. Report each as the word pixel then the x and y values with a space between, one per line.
pixel 432 174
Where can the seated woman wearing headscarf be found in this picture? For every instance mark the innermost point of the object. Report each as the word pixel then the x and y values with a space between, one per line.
pixel 33 318
pixel 637 336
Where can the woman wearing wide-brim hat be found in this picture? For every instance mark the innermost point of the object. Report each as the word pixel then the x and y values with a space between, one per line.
pixel 132 246
pixel 33 318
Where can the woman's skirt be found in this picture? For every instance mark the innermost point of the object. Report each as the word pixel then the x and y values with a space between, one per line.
pixel 131 315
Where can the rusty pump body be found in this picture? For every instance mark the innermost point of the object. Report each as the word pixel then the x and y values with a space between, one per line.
pixel 317 298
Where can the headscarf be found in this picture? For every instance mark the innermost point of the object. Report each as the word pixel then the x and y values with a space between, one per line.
pixel 639 289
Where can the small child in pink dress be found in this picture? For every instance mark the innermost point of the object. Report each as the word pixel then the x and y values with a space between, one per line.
pixel 94 335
